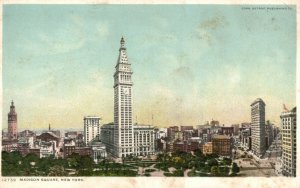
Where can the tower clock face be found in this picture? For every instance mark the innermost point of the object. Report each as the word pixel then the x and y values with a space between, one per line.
pixel 126 91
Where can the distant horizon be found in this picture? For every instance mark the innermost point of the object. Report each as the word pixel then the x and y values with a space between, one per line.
pixel 81 128
pixel 191 63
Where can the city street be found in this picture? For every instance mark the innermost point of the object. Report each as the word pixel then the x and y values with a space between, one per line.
pixel 273 155
pixel 249 167
pixel 270 165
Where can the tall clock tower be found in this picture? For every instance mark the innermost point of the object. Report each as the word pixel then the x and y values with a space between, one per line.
pixel 123 125
pixel 12 122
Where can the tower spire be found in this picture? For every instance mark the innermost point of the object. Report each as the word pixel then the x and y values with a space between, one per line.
pixel 122 42
pixel 122 53
pixel 12 107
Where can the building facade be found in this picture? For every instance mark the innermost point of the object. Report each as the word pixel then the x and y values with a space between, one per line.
pixel 98 151
pixel 269 134
pixel 143 140
pixel 207 148
pixel 288 132
pixel 187 134
pixel 27 133
pixel 47 149
pixel 160 133
pixel 161 145
pixel 91 129
pixel 48 137
pixel 245 138
pixel 236 128
pixel 69 148
pixel 221 145
pixel 184 128
pixel 171 132
pixel 12 122
pixel 258 127
pixel 227 131
pixel 107 136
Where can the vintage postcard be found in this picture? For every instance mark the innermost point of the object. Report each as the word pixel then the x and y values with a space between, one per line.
pixel 124 94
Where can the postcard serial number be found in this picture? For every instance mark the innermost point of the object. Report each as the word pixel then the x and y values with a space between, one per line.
pixel 8 179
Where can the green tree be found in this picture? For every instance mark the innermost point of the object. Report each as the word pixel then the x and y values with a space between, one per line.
pixel 215 171
pixel 12 164
pixel 198 153
pixel 57 171
pixel 178 173
pixel 31 157
pixel 72 162
pixel 235 169
pixel 224 171
pixel 43 166
pixel 86 162
pixel 212 162
pixel 227 161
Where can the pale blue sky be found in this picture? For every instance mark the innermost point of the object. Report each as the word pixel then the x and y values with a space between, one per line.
pixel 191 63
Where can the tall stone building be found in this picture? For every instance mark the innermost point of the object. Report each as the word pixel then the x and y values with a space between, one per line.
pixel 258 127
pixel 123 130
pixel 288 132
pixel 91 129
pixel 12 122
pixel 122 138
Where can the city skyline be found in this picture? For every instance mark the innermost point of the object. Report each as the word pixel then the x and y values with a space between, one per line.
pixel 206 70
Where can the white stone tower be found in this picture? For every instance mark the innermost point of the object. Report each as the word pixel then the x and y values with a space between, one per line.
pixel 123 125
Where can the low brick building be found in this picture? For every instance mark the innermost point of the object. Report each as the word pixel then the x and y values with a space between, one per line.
pixel 69 150
pixel 187 146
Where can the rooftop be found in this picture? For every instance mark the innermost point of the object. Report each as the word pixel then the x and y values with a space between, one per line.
pixel 289 113
pixel 258 100
pixel 91 117
pixel 216 136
